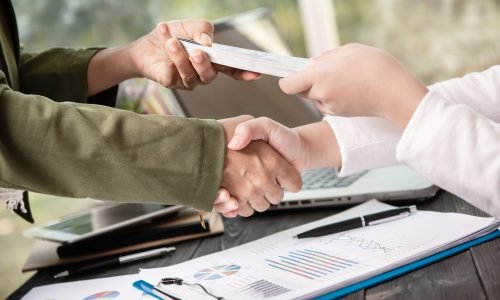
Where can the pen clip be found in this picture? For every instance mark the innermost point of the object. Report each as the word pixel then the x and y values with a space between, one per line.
pixel 389 219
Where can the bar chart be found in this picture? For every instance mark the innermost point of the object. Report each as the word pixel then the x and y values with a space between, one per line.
pixel 262 289
pixel 310 264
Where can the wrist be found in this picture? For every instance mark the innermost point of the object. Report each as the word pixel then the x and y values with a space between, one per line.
pixel 319 145
pixel 405 106
pixel 305 162
pixel 130 61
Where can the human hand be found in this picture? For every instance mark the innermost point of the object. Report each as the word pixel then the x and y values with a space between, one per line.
pixel 160 56
pixel 357 80
pixel 306 147
pixel 254 175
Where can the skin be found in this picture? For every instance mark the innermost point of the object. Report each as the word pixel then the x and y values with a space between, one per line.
pixel 159 56
pixel 256 174
pixel 353 80
pixel 357 80
pixel 303 147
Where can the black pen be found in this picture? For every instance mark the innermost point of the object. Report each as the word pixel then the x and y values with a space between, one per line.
pixel 358 222
pixel 116 261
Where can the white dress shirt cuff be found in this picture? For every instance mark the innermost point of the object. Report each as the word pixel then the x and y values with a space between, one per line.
pixel 364 143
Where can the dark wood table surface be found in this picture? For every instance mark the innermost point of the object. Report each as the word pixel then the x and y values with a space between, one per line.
pixel 472 274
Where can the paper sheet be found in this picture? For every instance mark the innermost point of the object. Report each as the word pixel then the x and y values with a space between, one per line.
pixel 251 60
pixel 118 287
pixel 281 267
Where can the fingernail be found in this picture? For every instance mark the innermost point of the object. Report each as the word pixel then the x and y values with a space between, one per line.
pixel 235 141
pixel 205 39
pixel 232 206
pixel 172 45
pixel 197 57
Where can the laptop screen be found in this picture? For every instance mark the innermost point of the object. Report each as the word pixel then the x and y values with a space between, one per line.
pixel 225 97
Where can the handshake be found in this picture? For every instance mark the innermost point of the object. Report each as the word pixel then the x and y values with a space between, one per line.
pixel 262 159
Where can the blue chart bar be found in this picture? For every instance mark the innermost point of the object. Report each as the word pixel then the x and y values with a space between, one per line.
pixel 310 264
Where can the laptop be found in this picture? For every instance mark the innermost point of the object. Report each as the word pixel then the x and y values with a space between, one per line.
pixel 226 98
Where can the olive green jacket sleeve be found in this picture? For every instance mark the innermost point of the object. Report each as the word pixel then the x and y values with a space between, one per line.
pixel 85 150
pixel 61 75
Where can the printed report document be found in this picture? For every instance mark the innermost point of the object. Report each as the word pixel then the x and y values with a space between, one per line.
pixel 282 267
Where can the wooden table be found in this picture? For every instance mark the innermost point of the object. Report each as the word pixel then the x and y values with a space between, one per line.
pixel 473 274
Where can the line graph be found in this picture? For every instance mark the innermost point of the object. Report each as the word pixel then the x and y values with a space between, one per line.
pixel 349 240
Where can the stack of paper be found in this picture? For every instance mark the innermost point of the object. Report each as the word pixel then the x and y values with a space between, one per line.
pixel 282 267
pixel 250 60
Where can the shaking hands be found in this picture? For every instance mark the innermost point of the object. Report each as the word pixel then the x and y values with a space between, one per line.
pixel 297 150
pixel 255 173
pixel 353 80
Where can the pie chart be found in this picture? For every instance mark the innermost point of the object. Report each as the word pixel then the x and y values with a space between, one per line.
pixel 103 295
pixel 217 272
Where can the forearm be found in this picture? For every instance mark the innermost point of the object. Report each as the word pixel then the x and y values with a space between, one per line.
pixel 80 150
pixel 109 67
pixel 479 91
pixel 321 145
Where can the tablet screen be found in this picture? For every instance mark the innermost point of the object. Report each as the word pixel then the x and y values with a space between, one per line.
pixel 100 220
pixel 103 217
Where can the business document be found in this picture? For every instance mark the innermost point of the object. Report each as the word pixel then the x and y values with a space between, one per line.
pixel 281 267
pixel 250 60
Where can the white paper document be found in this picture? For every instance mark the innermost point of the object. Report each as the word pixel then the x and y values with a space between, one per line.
pixel 118 287
pixel 281 267
pixel 250 60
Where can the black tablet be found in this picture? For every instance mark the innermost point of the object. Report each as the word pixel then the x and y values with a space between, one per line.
pixel 100 220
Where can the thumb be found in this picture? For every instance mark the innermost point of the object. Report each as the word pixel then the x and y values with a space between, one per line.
pixel 256 129
pixel 297 82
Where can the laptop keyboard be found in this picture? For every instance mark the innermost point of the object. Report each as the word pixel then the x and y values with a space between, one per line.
pixel 326 178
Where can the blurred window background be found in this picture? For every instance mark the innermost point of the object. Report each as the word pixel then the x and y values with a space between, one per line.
pixel 434 39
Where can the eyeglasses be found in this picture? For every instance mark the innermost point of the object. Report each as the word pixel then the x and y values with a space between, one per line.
pixel 180 281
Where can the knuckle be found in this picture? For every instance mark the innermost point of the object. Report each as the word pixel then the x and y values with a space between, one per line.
pixel 247 117
pixel 190 80
pixel 265 120
pixel 206 25
pixel 259 182
pixel 273 162
pixel 160 24
pixel 168 79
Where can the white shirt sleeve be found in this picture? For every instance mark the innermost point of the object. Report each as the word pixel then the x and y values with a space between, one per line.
pixel 367 143
pixel 456 148
pixel 364 143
